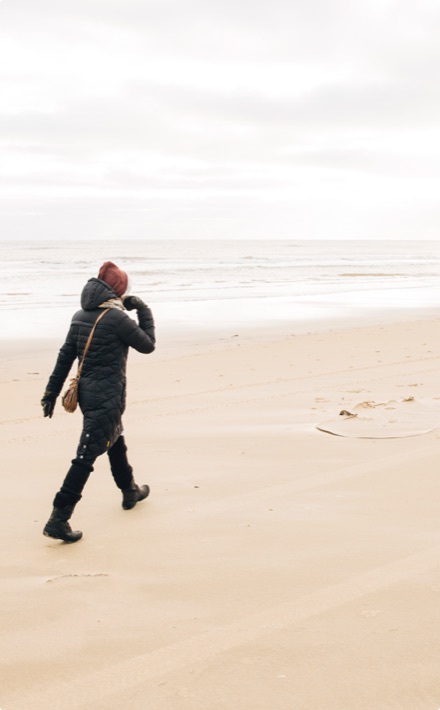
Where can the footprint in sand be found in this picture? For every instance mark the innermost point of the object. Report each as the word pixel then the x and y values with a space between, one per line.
pixel 67 576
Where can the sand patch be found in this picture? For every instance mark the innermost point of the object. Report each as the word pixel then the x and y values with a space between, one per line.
pixel 385 420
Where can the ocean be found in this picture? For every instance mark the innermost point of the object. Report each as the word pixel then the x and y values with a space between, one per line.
pixel 223 285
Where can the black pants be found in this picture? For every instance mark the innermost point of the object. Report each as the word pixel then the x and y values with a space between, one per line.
pixel 78 474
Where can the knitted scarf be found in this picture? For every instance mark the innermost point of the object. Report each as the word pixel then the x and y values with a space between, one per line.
pixel 113 303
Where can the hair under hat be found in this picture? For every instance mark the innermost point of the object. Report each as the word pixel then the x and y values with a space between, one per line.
pixel 114 277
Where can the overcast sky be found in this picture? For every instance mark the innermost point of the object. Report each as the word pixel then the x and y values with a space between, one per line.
pixel 219 119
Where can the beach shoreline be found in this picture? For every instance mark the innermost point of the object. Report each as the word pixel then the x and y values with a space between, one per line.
pixel 189 335
pixel 272 561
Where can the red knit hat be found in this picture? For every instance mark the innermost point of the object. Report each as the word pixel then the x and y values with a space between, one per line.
pixel 114 277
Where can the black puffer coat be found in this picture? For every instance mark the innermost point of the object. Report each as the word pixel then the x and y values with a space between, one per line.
pixel 102 386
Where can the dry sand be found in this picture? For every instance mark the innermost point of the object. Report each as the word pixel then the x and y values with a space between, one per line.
pixel 274 567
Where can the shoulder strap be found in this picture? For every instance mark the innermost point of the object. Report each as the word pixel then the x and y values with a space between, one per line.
pixel 89 340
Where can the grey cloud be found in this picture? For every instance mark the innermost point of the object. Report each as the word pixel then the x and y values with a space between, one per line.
pixel 147 114
pixel 357 104
pixel 378 63
pixel 271 131
pixel 236 28
pixel 368 160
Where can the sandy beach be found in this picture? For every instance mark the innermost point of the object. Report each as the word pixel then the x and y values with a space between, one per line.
pixel 274 567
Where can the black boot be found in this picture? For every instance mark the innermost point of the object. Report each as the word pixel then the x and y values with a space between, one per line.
pixel 58 527
pixel 134 494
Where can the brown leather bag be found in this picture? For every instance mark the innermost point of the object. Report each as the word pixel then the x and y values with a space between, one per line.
pixel 70 397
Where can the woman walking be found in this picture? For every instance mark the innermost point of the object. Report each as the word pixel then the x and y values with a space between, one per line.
pixel 101 390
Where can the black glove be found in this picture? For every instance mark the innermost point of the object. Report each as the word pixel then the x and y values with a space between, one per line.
pixel 132 303
pixel 48 404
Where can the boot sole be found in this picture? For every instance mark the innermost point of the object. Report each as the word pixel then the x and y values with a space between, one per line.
pixel 59 537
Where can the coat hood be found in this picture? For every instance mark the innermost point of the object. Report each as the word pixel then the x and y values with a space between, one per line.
pixel 94 293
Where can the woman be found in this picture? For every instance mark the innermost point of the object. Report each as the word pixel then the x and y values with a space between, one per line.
pixel 101 390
